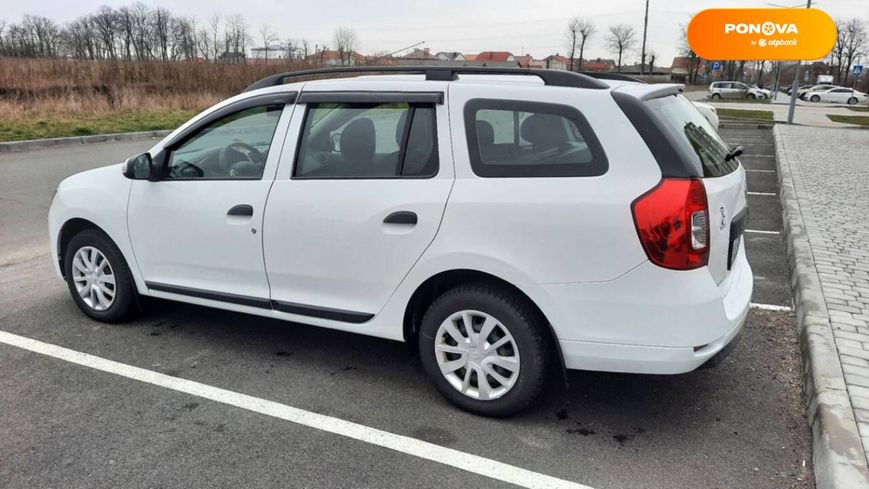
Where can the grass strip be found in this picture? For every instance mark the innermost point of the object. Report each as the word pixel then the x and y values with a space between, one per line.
pixel 742 114
pixel 860 120
pixel 41 127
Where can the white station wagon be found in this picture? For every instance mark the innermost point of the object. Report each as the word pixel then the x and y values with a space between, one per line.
pixel 511 223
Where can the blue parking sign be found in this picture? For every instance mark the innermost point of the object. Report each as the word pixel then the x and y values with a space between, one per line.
pixel 858 70
pixel 716 66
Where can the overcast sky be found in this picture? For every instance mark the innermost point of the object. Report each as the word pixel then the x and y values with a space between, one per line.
pixel 519 26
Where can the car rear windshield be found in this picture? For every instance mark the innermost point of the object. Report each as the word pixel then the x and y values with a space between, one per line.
pixel 689 125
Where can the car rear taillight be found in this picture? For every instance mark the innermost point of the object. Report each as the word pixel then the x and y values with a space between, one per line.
pixel 672 222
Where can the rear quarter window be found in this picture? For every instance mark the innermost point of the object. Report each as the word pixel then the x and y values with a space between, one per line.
pixel 513 138
pixel 690 127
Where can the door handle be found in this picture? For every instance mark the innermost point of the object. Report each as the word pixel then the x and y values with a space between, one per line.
pixel 401 217
pixel 243 210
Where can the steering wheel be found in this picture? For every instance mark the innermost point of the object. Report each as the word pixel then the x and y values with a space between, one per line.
pixel 226 157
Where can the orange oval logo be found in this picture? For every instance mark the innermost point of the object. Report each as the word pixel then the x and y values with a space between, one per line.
pixel 762 33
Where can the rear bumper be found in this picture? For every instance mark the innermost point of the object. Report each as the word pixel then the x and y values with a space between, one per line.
pixel 650 320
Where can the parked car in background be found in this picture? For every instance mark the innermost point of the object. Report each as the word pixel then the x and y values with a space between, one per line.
pixel 790 88
pixel 804 92
pixel 728 89
pixel 758 92
pixel 508 223
pixel 733 89
pixel 838 95
pixel 709 112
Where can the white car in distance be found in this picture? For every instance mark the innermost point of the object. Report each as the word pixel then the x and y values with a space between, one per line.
pixel 839 95
pixel 508 223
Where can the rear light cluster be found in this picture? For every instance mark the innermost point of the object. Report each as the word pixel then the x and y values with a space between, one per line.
pixel 672 222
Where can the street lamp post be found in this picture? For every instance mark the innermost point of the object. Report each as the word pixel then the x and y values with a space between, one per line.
pixel 796 85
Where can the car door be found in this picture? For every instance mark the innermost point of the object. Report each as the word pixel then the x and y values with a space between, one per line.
pixel 739 90
pixel 358 202
pixel 195 230
pixel 838 95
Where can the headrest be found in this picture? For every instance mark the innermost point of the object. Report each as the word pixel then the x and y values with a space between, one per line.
pixel 358 140
pixel 543 130
pixel 485 133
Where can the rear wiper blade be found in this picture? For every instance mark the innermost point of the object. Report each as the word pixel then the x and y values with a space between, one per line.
pixel 733 153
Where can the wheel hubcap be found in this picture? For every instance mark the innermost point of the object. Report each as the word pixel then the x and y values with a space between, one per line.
pixel 93 278
pixel 477 355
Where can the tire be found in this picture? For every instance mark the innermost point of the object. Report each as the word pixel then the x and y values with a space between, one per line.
pixel 123 301
pixel 527 340
pixel 815 98
pixel 716 95
pixel 752 96
pixel 852 101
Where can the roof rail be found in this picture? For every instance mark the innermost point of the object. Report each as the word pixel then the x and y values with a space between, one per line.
pixel 554 78
pixel 611 76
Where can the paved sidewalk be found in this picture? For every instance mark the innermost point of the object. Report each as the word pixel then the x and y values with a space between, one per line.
pixel 825 198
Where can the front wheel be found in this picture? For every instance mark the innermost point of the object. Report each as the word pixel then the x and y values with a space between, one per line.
pixel 98 277
pixel 752 96
pixel 716 95
pixel 485 349
pixel 852 101
pixel 815 98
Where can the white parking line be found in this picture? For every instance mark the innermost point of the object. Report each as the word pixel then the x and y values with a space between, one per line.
pixel 771 307
pixel 749 155
pixel 758 231
pixel 767 194
pixel 404 444
pixel 761 171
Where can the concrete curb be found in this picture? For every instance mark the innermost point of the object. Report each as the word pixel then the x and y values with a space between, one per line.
pixel 839 460
pixel 32 144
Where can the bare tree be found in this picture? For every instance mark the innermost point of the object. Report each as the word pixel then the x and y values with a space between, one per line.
pixel 267 36
pixel 236 35
pixel 306 47
pixel 345 40
pixel 693 61
pixel 579 30
pixel 621 38
pixel 572 38
pixel 855 44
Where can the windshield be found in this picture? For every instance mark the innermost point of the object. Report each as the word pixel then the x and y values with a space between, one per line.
pixel 690 126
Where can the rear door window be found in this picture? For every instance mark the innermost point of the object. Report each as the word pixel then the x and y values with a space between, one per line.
pixel 683 119
pixel 368 140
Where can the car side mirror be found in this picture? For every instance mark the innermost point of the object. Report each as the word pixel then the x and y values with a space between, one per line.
pixel 144 167
pixel 138 167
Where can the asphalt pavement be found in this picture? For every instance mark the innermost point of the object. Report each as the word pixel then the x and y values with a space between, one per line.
pixel 65 425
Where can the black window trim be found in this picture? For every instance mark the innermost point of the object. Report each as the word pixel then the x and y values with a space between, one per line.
pixel 599 163
pixel 309 105
pixel 161 158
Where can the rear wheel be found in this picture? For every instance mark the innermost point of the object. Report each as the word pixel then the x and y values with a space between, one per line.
pixel 98 277
pixel 815 98
pixel 852 101
pixel 485 349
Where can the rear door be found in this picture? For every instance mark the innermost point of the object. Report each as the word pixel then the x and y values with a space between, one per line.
pixel 723 179
pixel 357 202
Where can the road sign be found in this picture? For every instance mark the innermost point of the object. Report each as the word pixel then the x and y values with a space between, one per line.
pixel 716 66
pixel 858 70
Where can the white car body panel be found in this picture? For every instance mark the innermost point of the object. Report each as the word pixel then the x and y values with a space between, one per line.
pixel 569 244
pixel 325 240
pixel 184 237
